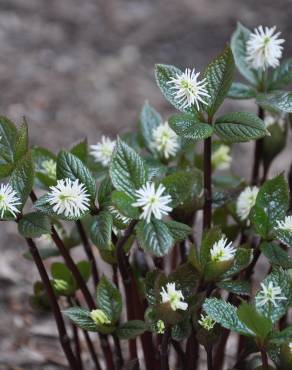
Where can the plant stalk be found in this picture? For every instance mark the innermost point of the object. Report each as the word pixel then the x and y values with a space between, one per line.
pixel 264 356
pixel 64 339
pixel 88 251
pixel 164 349
pixel 258 153
pixel 207 217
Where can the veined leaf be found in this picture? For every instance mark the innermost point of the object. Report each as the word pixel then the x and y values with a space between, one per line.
pixel 149 120
pixel 188 126
pixel 81 317
pixel 280 101
pixel 131 329
pixel 281 75
pixel 34 225
pixel 109 299
pixel 239 126
pixel 154 237
pixel 239 90
pixel 219 75
pixel 101 230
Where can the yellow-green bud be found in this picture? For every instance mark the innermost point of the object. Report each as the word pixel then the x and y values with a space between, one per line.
pixel 207 322
pixel 99 317
pixel 60 285
pixel 221 158
pixel 160 327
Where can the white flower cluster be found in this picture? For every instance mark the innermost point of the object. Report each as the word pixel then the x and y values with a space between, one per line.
pixel 152 201
pixel 246 201
pixel 269 294
pixel 69 198
pixel 221 158
pixel 221 251
pixel 8 200
pixel 166 140
pixel 264 48
pixel 174 297
pixel 102 151
pixel 188 90
pixel 49 167
pixel 286 224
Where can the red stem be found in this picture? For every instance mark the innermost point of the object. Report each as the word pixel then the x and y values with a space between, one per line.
pixel 207 217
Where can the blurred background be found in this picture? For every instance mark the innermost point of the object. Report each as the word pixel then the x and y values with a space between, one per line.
pixel 79 68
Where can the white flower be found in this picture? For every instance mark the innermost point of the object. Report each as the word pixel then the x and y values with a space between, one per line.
pixel 269 294
pixel 221 158
pixel 152 201
pixel 290 346
pixel 165 140
pixel 286 224
pixel 174 297
pixel 187 89
pixel 69 198
pixel 49 167
pixel 264 48
pixel 102 151
pixel 246 201
pixel 207 322
pixel 8 200
pixel 222 252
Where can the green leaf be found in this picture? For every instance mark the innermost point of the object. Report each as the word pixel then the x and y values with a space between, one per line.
pixel 40 157
pixel 225 314
pixel 181 330
pixel 285 236
pixel 85 268
pixel 21 144
pixel 80 150
pixel 273 144
pixel 219 75
pixel 127 169
pixel 271 205
pixel 154 237
pixel 279 278
pixel 123 203
pixel 238 46
pixel 8 134
pixel 70 166
pixel 276 255
pixel 239 127
pixel 22 177
pixel 81 317
pixel 163 74
pixel 186 279
pixel 242 259
pixel 179 185
pixel 149 120
pixel 109 299
pixel 239 90
pixel 34 225
pixel 104 192
pixel 257 323
pixel 282 337
pixel 236 287
pixel 131 329
pixel 281 76
pixel 60 271
pixel 280 101
pixel 188 126
pixel 178 230
pixel 101 230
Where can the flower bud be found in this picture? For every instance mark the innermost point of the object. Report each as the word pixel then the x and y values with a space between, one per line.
pixel 99 317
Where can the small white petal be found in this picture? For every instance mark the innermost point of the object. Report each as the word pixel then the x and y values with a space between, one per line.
pixel 165 141
pixel 264 48
pixel 246 201
pixel 222 252
pixel 8 200
pixel 187 89
pixel 69 198
pixel 174 297
pixel 286 224
pixel 152 201
pixel 102 151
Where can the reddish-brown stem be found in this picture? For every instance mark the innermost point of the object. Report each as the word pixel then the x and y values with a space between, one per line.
pixel 88 341
pixel 64 339
pixel 164 349
pixel 264 356
pixel 88 251
pixel 257 153
pixel 210 358
pixel 192 351
pixel 82 285
pixel 207 217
